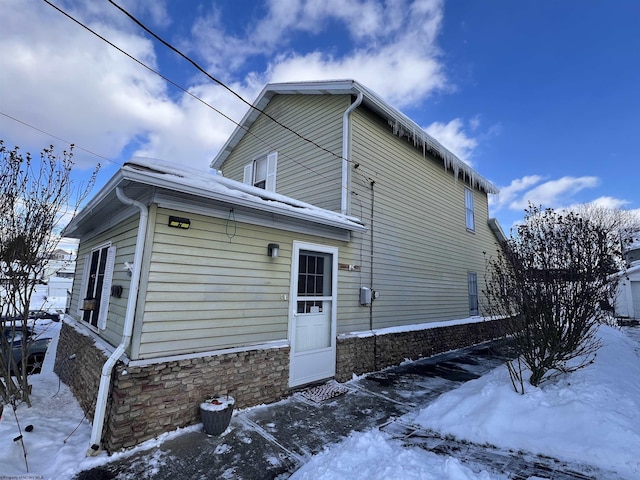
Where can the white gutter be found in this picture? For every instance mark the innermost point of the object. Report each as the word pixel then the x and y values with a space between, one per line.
pixel 346 138
pixel 105 379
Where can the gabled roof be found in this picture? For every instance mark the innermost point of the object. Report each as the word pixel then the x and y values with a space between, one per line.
pixel 401 125
pixel 149 180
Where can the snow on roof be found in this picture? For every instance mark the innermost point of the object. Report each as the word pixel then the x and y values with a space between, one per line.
pixel 210 184
pixel 401 125
pixel 634 241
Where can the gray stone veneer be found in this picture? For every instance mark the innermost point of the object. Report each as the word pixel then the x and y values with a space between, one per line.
pixel 148 400
pixel 362 354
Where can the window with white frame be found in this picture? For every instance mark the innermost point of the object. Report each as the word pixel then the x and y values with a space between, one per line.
pixel 93 304
pixel 470 215
pixel 472 280
pixel 261 172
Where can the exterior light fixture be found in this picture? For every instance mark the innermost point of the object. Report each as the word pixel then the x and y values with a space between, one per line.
pixel 179 222
pixel 273 249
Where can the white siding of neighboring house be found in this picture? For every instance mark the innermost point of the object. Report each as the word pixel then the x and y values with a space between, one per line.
pixel 627 301
pixel 635 299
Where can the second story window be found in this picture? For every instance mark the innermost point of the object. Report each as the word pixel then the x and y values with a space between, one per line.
pixel 470 216
pixel 261 172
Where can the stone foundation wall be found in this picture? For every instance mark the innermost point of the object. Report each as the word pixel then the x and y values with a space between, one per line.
pixel 153 399
pixel 146 401
pixel 354 355
pixel 79 364
pixel 358 355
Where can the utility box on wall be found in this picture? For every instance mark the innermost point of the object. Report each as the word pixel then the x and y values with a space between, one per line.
pixel 365 296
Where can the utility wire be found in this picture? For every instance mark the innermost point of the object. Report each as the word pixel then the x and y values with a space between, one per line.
pixel 233 92
pixel 179 87
pixel 195 96
pixel 219 82
pixel 58 138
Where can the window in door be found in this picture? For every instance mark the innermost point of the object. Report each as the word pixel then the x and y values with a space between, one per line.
pixel 261 172
pixel 98 272
pixel 314 280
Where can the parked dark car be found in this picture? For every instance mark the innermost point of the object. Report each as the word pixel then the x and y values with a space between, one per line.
pixel 43 315
pixel 34 315
pixel 36 347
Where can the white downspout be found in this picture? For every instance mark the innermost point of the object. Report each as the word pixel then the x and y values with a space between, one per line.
pixel 105 379
pixel 346 138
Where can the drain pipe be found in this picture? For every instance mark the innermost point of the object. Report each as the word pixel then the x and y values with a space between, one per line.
pixel 346 138
pixel 105 379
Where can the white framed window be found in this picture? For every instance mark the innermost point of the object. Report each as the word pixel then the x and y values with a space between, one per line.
pixel 93 304
pixel 470 215
pixel 472 281
pixel 261 172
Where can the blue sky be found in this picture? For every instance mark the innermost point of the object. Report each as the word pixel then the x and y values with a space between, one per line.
pixel 540 97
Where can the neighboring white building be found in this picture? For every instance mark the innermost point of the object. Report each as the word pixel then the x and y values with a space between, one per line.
pixel 631 247
pixel 628 293
pixel 61 264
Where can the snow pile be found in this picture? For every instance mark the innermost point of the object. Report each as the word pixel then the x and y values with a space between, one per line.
pixel 217 404
pixel 372 456
pixel 60 434
pixel 591 416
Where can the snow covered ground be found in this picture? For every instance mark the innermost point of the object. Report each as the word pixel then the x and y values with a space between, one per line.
pixel 590 417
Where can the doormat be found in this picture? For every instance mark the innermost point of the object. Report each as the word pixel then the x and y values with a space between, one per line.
pixel 324 392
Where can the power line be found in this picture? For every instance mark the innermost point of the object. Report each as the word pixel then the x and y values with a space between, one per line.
pixel 187 91
pixel 219 82
pixel 176 85
pixel 58 138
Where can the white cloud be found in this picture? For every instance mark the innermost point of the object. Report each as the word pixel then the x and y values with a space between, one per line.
pixel 474 123
pixel 554 193
pixel 508 194
pixel 420 76
pixel 65 81
pixel 609 202
pixel 194 136
pixel 392 47
pixel 452 136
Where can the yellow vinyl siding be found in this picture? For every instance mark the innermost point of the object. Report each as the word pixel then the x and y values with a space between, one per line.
pixel 123 237
pixel 304 171
pixel 206 291
pixel 422 249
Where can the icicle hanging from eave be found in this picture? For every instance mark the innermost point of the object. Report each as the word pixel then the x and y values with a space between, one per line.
pixel 450 161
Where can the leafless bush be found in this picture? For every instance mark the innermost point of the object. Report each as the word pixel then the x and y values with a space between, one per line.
pixel 553 280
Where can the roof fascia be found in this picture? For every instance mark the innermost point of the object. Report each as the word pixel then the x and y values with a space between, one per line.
pixel 86 211
pixel 165 181
pixel 400 123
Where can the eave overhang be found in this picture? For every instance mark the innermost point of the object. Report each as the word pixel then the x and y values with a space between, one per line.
pixel 149 180
pixel 401 125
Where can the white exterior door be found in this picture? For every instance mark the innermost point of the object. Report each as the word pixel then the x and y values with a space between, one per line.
pixel 312 322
